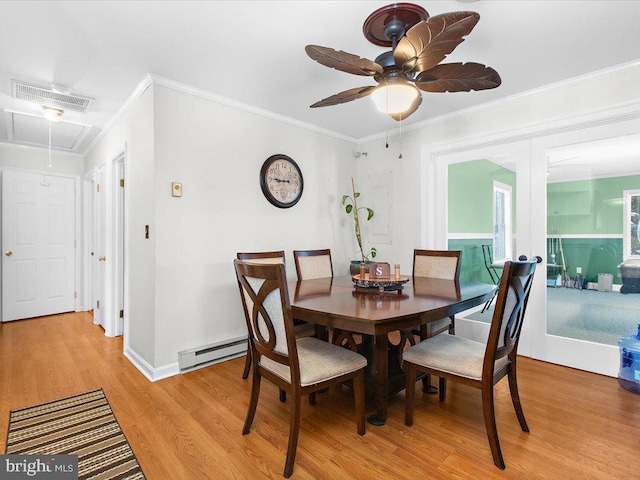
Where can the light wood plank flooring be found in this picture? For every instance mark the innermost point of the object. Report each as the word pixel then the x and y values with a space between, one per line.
pixel 583 426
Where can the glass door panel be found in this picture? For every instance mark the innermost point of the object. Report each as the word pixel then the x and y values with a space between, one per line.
pixel 589 212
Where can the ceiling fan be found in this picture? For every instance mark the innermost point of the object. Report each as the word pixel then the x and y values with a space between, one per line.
pixel 418 44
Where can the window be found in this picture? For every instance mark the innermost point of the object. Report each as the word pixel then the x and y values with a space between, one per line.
pixel 631 224
pixel 501 222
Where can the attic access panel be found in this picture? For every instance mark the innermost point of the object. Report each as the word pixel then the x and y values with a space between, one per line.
pixel 34 130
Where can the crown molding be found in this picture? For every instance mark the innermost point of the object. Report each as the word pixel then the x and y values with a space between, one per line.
pixel 496 103
pixel 126 106
pixel 198 92
pixel 152 79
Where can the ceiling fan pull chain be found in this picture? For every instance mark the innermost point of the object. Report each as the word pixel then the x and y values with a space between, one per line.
pixel 386 121
pixel 400 156
pixel 50 164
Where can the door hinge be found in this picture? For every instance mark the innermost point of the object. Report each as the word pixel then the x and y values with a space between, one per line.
pixel 122 182
pixel 121 313
pixel 97 303
pixel 98 187
pixel 75 294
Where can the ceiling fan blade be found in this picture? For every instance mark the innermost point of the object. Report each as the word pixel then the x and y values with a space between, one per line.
pixel 344 97
pixel 427 43
pixel 343 61
pixel 414 106
pixel 458 77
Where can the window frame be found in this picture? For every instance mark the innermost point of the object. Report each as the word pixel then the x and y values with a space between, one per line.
pixel 508 221
pixel 626 224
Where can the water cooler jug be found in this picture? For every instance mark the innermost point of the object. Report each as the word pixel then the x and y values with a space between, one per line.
pixel 629 374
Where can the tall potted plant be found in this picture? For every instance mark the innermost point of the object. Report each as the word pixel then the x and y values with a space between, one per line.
pixel 350 203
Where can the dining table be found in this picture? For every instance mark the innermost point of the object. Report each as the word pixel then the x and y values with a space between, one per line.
pixel 378 317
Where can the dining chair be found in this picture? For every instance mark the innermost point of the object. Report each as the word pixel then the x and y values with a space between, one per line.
pixel 302 330
pixel 276 256
pixel 492 269
pixel 442 264
pixel 313 263
pixel 299 366
pixel 445 265
pixel 477 364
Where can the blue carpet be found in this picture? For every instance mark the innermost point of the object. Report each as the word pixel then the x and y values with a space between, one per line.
pixel 601 317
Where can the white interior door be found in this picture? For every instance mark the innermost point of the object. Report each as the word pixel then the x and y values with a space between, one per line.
pixel 464 188
pixel 99 258
pixel 119 245
pixel 38 244
pixel 563 345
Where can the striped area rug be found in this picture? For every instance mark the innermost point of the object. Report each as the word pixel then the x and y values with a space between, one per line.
pixel 82 425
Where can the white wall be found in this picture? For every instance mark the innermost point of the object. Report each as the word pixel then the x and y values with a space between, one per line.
pixel 182 287
pixel 135 132
pixel 507 118
pixel 29 158
pixel 216 152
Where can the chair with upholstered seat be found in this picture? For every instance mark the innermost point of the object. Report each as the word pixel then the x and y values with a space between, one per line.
pixel 299 366
pixel 313 263
pixel 478 364
pixel 443 264
pixel 276 256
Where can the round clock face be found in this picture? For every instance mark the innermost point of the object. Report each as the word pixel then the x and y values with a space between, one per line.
pixel 281 181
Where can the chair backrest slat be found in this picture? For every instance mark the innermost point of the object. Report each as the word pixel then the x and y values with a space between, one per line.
pixel 313 263
pixel 276 256
pixel 443 264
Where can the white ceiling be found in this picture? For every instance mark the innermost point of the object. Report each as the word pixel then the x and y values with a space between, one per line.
pixel 253 52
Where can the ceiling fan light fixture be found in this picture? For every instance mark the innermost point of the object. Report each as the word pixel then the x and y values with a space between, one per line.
pixel 394 97
pixel 52 114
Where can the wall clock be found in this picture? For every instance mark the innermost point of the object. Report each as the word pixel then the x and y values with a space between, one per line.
pixel 281 181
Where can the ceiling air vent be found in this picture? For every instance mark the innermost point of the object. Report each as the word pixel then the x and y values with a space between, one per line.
pixel 46 96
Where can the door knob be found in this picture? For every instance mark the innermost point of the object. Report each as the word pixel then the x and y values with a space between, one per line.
pixel 8 253
pixel 102 259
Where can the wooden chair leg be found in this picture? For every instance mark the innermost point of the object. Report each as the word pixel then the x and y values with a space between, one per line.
pixel 490 424
pixel 426 385
pixel 515 397
pixel 312 398
pixel 247 365
pixel 358 396
pixel 283 396
pixel 442 387
pixel 294 430
pixel 253 403
pixel 410 393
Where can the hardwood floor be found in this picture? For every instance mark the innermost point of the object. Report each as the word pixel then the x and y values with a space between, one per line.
pixel 189 426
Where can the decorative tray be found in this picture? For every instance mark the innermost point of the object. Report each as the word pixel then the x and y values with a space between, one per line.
pixel 379 284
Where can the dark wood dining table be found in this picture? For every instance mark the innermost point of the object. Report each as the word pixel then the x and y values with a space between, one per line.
pixel 335 303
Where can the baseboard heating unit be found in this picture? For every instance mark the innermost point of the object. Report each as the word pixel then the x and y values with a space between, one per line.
pixel 211 354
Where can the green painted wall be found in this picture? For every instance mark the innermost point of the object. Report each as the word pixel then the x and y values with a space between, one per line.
pixel 470 210
pixel 588 206
pixel 472 267
pixel 470 197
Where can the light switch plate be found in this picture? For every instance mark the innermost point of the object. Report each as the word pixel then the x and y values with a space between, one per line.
pixel 176 189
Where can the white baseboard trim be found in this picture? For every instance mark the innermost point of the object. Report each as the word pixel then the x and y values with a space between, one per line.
pixel 152 374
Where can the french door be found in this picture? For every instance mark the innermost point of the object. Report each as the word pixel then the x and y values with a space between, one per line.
pixel 38 244
pixel 547 219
